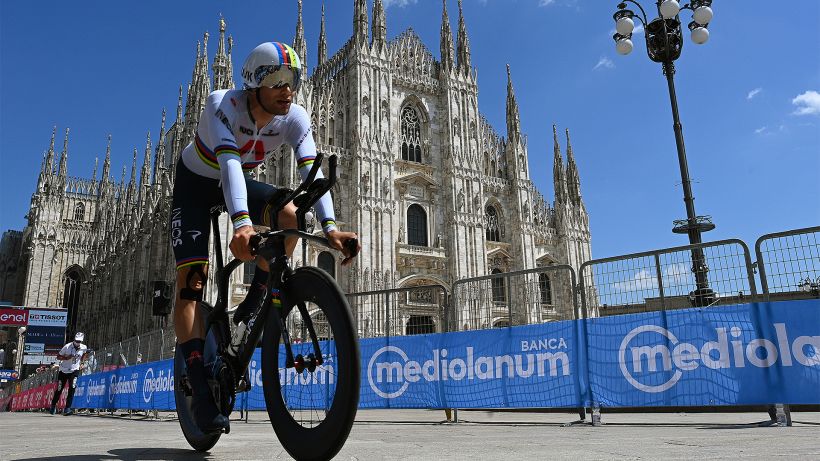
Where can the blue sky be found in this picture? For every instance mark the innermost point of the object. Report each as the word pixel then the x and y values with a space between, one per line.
pixel 749 102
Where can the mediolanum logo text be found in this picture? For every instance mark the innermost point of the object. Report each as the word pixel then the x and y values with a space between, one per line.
pixel 666 353
pixel 444 365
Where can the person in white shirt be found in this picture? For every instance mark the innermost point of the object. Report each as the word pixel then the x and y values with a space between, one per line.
pixel 70 357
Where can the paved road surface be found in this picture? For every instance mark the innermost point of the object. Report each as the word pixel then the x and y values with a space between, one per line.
pixel 419 434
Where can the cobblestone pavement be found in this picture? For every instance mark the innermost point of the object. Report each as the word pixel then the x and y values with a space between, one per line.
pixel 421 434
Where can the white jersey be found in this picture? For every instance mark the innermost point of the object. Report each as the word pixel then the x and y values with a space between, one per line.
pixel 227 145
pixel 72 364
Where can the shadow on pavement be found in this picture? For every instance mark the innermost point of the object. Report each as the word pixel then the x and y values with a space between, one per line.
pixel 136 454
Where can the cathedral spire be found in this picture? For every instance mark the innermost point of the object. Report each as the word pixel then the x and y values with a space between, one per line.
pixel 107 162
pixel 159 158
pixel 446 39
pixel 360 21
pixel 96 164
pixel 558 176
pixel 463 43
pixel 379 32
pixel 49 166
pixel 145 173
pixel 64 156
pixel 222 77
pixel 133 181
pixel 299 43
pixel 321 55
pixel 573 178
pixel 513 119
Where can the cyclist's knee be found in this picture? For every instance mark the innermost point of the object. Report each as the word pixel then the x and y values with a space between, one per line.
pixel 191 282
pixel 287 217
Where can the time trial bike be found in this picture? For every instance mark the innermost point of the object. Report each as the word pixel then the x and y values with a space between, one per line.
pixel 310 364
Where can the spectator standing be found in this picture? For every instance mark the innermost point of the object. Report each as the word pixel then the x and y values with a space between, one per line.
pixel 70 357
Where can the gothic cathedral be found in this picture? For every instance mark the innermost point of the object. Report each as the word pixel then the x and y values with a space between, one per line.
pixel 434 192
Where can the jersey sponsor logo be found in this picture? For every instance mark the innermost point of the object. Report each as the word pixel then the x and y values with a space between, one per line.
pixel 224 119
pixel 194 234
pixel 270 133
pixel 176 227
pixel 258 149
pixel 301 140
pixel 245 130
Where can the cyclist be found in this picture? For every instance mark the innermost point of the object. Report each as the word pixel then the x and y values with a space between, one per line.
pixel 69 356
pixel 237 130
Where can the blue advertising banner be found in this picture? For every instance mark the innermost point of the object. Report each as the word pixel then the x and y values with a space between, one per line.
pixel 10 375
pixel 50 336
pixel 148 386
pixel 735 355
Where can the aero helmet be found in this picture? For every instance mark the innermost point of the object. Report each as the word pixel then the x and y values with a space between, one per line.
pixel 273 65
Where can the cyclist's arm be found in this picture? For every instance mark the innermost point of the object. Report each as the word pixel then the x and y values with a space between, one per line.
pixel 63 354
pixel 301 139
pixel 215 129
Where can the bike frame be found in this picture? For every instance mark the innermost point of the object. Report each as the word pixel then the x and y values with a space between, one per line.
pixel 272 249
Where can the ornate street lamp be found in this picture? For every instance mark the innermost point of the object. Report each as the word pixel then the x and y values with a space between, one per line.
pixel 664 42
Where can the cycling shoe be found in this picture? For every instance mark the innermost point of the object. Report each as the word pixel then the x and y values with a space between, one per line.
pixel 207 416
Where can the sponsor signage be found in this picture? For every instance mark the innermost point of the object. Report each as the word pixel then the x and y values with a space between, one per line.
pixel 47 317
pixel 29 348
pixel 734 355
pixel 10 375
pixel 13 317
pixel 39 359
pixel 50 336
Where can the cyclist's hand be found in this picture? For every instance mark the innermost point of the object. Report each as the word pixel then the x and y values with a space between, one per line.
pixel 337 240
pixel 239 243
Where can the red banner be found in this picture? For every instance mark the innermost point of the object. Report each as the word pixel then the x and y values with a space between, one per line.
pixel 13 317
pixel 37 398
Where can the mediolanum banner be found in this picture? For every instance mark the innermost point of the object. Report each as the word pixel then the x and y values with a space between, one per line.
pixel 747 354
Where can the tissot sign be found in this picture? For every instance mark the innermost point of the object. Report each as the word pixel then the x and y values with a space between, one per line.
pixel 13 317
pixel 47 318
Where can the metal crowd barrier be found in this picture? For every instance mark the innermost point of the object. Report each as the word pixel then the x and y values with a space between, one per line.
pixel 401 311
pixel 668 279
pixel 789 263
pixel 506 299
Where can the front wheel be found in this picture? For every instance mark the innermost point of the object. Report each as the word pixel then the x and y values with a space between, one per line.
pixel 312 411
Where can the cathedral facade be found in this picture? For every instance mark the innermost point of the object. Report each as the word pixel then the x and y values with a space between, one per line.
pixel 435 193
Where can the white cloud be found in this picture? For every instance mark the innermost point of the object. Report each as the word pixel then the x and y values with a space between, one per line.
pixel 807 103
pixel 605 63
pixel 546 2
pixel 677 277
pixel 760 130
pixel 398 3
pixel 754 93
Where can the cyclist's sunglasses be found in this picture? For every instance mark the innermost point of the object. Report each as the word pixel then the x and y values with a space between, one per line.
pixel 278 76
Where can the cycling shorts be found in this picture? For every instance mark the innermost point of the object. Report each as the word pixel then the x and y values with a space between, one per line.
pixel 190 220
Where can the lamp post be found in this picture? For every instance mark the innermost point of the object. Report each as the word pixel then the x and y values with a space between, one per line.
pixel 664 42
pixel 18 358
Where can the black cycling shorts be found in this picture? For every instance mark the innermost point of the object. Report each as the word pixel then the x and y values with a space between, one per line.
pixel 190 220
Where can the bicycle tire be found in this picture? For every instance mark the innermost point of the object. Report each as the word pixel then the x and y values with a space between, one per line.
pixel 342 368
pixel 198 440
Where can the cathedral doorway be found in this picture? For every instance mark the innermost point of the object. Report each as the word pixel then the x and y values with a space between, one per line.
pixel 420 325
pixel 72 284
